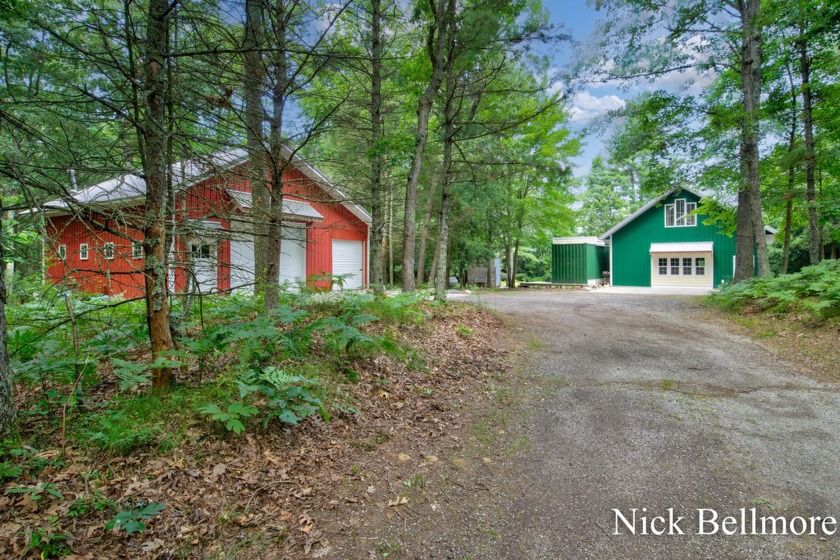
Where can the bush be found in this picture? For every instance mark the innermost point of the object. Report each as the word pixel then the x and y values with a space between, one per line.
pixel 814 290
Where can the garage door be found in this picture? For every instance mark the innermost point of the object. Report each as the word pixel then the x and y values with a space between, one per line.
pixel 242 265
pixel 348 258
pixel 681 264
pixel 292 259
pixel 293 255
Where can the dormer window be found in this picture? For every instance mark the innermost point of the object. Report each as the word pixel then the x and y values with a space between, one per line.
pixel 680 214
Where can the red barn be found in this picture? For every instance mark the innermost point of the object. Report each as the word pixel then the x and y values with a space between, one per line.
pixel 94 241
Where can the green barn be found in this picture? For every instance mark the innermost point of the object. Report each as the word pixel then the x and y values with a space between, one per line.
pixel 578 260
pixel 664 244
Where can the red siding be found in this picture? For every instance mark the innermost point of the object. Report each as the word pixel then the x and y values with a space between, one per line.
pixel 121 275
pixel 204 201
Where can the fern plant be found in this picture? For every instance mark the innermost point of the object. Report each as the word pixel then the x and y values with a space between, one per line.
pixel 232 417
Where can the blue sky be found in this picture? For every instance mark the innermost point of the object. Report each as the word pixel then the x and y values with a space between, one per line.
pixel 595 99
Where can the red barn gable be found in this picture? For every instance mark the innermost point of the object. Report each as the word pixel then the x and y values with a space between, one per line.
pixel 93 236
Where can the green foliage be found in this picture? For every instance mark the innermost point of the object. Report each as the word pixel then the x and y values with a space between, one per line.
pixel 232 417
pixel 119 433
pixel 38 491
pixel 48 544
pixel 132 520
pixel 814 290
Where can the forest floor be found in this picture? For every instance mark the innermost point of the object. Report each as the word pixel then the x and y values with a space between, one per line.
pixel 622 401
pixel 268 493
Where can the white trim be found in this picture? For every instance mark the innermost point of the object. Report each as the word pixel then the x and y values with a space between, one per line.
pixel 113 250
pixel 590 240
pixel 690 247
pixel 62 251
pixel 611 260
pixel 84 252
pixel 134 254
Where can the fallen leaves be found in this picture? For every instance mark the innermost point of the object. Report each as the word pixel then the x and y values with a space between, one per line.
pixel 276 482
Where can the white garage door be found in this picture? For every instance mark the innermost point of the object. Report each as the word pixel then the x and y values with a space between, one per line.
pixel 348 258
pixel 242 265
pixel 293 255
pixel 292 259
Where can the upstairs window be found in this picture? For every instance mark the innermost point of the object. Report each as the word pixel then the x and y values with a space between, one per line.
pixel 136 250
pixel 108 251
pixel 200 250
pixel 62 252
pixel 679 214
pixel 84 252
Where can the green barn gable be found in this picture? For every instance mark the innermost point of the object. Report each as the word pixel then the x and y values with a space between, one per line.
pixel 631 243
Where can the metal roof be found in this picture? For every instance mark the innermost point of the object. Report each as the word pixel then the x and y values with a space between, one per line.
pixel 130 189
pixel 295 209
pixel 687 247
pixel 583 240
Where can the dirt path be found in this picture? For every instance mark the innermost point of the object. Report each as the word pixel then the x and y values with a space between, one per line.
pixel 624 401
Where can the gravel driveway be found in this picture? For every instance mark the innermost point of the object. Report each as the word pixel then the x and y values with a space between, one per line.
pixel 637 401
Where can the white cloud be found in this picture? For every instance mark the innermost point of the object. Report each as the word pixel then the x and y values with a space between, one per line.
pixel 586 107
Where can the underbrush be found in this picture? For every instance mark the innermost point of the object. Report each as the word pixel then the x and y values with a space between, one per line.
pixel 814 292
pixel 263 402
pixel 82 368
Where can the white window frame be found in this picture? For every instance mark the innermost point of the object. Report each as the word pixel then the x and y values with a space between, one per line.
pixel 674 219
pixel 660 266
pixel 687 269
pixel 107 249
pixel 137 251
pixel 669 213
pixel 62 252
pixel 690 218
pixel 676 267
pixel 698 267
pixel 84 251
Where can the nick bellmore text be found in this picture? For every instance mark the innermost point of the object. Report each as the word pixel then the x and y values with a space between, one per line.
pixel 747 521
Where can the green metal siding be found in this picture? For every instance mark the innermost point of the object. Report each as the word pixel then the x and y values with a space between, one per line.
pixel 577 263
pixel 568 264
pixel 631 244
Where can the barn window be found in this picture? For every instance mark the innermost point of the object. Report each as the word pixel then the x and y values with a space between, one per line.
pixel 679 205
pixel 675 266
pixel 83 251
pixel 687 266
pixel 679 214
pixel 700 266
pixel 108 251
pixel 690 219
pixel 200 250
pixel 62 252
pixel 663 266
pixel 669 215
pixel 136 250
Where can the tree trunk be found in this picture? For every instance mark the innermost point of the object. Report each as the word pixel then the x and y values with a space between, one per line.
pixel 254 85
pixel 7 388
pixel 442 277
pixel 277 163
pixel 425 232
pixel 377 278
pixel 514 265
pixel 444 13
pixel 749 196
pixel 390 237
pixel 154 169
pixel 814 238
